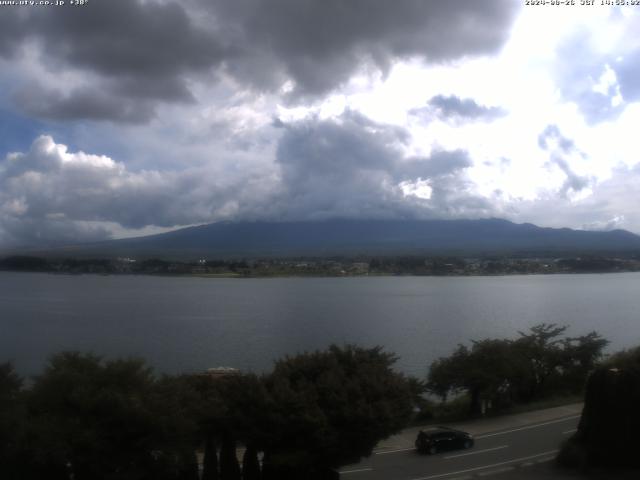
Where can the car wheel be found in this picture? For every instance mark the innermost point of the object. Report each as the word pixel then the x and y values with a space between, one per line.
pixel 433 450
pixel 468 444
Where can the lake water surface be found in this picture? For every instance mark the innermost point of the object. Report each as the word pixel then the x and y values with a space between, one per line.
pixel 189 324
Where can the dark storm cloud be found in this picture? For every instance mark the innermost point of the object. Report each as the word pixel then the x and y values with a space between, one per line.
pixel 353 167
pixel 457 109
pixel 560 149
pixel 333 147
pixel 134 54
pixel 145 41
pixel 149 50
pixel 126 100
pixel 12 30
pixel 154 39
pixel 350 147
pixel 319 44
pixel 84 103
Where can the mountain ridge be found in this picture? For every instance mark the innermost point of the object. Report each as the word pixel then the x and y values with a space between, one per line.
pixel 361 237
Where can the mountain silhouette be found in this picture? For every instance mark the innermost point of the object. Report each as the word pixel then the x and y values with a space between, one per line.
pixel 366 237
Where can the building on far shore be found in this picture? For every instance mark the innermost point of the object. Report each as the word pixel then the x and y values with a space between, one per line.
pixel 220 372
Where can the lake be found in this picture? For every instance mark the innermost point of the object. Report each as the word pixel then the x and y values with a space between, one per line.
pixel 186 324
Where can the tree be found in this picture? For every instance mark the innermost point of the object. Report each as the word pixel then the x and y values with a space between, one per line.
pixel 229 467
pixel 210 461
pixel 331 408
pixel 176 405
pixel 490 371
pixel 25 263
pixel 504 371
pixel 232 409
pixel 12 420
pixel 188 465
pixel 108 419
pixel 447 374
pixel 608 429
pixel 542 355
pixel 582 356
pixel 250 464
pixel 484 372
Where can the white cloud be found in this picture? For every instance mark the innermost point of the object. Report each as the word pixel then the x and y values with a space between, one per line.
pixel 346 143
pixel 49 190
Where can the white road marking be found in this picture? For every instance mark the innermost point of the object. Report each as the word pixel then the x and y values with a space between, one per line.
pixel 528 427
pixel 394 451
pixel 488 466
pixel 570 431
pixel 475 452
pixel 356 471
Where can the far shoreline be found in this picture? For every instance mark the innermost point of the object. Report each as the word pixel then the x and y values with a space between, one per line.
pixel 361 265
pixel 214 276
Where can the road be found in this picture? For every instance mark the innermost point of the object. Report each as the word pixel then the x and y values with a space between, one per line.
pixel 513 445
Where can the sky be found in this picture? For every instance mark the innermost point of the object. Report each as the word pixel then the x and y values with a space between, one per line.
pixel 127 117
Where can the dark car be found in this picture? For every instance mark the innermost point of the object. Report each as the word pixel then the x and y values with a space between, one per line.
pixel 442 438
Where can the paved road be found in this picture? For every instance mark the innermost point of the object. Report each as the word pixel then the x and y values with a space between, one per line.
pixel 517 441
